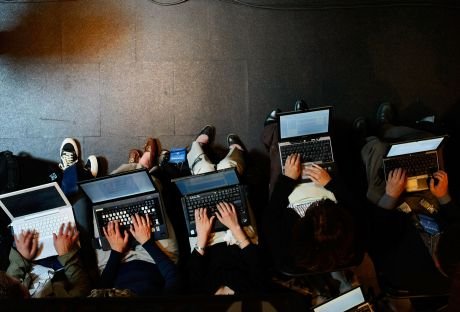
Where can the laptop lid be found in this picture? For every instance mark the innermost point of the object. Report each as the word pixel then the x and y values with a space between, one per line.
pixel 195 184
pixel 417 146
pixel 344 302
pixel 118 186
pixel 301 124
pixel 33 201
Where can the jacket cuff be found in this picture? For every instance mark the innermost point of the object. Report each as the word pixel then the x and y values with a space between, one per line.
pixel 67 257
pixel 445 199
pixel 387 202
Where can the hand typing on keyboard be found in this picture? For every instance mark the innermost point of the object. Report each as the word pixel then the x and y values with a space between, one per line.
pixel 118 241
pixel 27 244
pixel 396 183
pixel 66 239
pixel 141 228
pixel 317 174
pixel 292 166
pixel 226 213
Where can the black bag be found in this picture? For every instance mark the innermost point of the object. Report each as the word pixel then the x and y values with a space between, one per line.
pixel 9 173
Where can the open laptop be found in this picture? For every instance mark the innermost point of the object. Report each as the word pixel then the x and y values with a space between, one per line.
pixel 119 196
pixel 420 158
pixel 350 301
pixel 206 190
pixel 306 133
pixel 41 208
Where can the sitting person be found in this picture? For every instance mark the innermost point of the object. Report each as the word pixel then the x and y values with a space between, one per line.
pixel 403 246
pixel 224 262
pixel 149 273
pixel 23 277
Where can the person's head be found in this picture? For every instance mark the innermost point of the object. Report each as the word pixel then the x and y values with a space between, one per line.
pixel 11 288
pixel 448 250
pixel 324 237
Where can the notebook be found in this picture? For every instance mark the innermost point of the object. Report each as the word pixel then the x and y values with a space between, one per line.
pixel 206 190
pixel 307 133
pixel 420 158
pixel 42 208
pixel 350 301
pixel 119 196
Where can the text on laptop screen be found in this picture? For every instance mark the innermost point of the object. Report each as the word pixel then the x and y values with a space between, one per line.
pixel 414 147
pixel 199 183
pixel 311 122
pixel 34 201
pixel 118 186
pixel 343 302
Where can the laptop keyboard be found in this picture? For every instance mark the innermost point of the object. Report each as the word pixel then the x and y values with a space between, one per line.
pixel 45 226
pixel 209 201
pixel 310 151
pixel 123 214
pixel 414 165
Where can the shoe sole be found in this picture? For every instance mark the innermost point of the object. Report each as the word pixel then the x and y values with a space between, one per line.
pixel 94 165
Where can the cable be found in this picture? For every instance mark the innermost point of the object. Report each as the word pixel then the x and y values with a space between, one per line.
pixel 168 3
pixel 324 6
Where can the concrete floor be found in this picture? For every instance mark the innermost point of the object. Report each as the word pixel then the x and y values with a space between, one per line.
pixel 112 72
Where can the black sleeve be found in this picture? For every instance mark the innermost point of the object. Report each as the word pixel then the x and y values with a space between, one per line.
pixel 197 266
pixel 166 267
pixel 110 272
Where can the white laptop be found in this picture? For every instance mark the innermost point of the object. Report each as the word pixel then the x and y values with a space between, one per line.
pixel 42 208
pixel 352 300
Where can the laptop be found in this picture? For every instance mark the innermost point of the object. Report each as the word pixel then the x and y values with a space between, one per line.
pixel 208 189
pixel 306 133
pixel 420 158
pixel 42 208
pixel 350 301
pixel 119 196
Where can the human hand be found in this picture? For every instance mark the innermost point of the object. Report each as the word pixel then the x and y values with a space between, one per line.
pixel 27 244
pixel 292 166
pixel 396 182
pixel 226 214
pixel 317 174
pixel 441 188
pixel 141 229
pixel 203 226
pixel 117 240
pixel 66 239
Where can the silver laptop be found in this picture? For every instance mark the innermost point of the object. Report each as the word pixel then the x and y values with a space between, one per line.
pixel 306 133
pixel 420 159
pixel 350 301
pixel 41 208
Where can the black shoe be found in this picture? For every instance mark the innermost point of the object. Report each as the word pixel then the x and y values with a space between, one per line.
pixel 385 114
pixel 300 105
pixel 210 131
pixel 235 139
pixel 271 118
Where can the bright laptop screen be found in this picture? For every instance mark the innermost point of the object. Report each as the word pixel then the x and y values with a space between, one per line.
pixel 118 186
pixel 33 201
pixel 414 147
pixel 343 302
pixel 201 183
pixel 303 124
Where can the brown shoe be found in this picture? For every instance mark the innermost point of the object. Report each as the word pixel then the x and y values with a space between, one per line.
pixel 151 146
pixel 134 156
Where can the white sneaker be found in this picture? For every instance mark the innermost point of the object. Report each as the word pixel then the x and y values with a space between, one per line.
pixel 69 153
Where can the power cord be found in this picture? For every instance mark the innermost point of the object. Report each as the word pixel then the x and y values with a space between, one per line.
pixel 168 3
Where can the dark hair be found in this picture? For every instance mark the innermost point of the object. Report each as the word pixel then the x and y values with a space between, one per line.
pixel 324 238
pixel 10 288
pixel 448 249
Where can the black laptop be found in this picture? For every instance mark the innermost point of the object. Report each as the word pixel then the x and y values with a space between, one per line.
pixel 306 133
pixel 420 158
pixel 206 190
pixel 119 196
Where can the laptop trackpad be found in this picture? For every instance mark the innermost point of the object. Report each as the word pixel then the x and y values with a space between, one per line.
pixel 416 184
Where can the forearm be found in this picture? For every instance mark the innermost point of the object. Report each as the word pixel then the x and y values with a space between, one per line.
pixel 280 196
pixel 111 269
pixel 166 267
pixel 19 267
pixel 387 202
pixel 75 273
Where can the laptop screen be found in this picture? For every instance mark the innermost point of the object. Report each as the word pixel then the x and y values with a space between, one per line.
pixel 118 186
pixel 36 200
pixel 208 181
pixel 305 123
pixel 343 302
pixel 414 147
